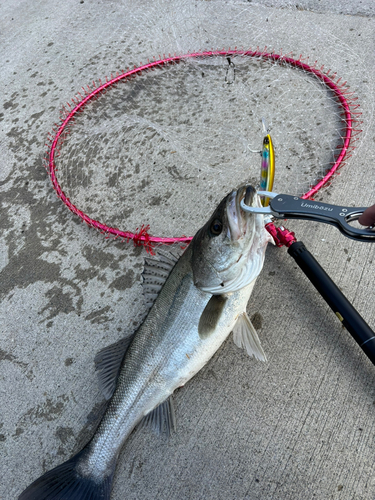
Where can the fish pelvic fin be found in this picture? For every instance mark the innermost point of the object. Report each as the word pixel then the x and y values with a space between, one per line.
pixel 161 419
pixel 65 482
pixel 246 337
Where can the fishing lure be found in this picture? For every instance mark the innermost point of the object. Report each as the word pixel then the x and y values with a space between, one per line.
pixel 267 169
pixel 267 173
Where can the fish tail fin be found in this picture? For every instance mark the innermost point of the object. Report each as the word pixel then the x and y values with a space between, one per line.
pixel 66 482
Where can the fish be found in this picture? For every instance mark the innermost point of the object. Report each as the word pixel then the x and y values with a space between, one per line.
pixel 194 302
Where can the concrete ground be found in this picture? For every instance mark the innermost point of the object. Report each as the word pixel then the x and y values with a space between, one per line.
pixel 302 425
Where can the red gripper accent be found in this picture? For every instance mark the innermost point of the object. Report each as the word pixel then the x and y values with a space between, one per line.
pixel 281 235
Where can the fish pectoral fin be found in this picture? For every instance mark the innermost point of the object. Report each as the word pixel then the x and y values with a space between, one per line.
pixel 161 419
pixel 211 315
pixel 246 337
pixel 108 363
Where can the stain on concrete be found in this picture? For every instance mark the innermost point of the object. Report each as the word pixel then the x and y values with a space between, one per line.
pixel 99 316
pixel 96 256
pixel 257 320
pixel 26 268
pixel 48 411
pixel 59 302
pixel 123 282
pixel 10 105
pixel 7 356
pixel 156 200
pixel 64 434
pixel 19 431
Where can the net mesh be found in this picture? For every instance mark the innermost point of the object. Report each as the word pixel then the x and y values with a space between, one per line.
pixel 143 148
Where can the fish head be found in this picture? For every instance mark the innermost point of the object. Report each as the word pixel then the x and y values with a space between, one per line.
pixel 228 251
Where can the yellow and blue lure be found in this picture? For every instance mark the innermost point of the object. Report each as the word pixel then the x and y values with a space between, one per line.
pixel 267 173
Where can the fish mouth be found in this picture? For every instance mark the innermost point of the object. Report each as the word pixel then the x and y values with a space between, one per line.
pixel 238 219
pixel 250 194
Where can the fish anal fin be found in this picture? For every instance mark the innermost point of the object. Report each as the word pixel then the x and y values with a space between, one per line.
pixel 246 337
pixel 211 315
pixel 108 363
pixel 161 419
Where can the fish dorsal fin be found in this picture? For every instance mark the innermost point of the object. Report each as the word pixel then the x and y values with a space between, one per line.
pixel 108 363
pixel 211 315
pixel 161 419
pixel 155 274
pixel 246 337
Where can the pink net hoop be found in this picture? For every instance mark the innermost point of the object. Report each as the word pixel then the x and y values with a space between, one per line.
pixel 345 99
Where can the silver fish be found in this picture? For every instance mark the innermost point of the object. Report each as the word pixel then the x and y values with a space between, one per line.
pixel 202 300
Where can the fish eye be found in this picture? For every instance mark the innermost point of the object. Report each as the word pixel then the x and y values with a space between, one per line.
pixel 216 227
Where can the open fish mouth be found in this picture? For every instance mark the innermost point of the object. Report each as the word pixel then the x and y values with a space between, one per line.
pixel 250 194
pixel 237 218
